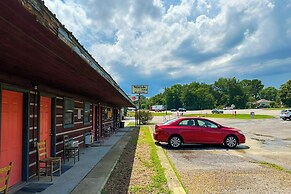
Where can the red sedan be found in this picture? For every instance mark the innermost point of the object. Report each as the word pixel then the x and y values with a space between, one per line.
pixel 197 130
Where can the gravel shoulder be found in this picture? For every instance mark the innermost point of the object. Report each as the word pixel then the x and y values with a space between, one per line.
pixel 215 169
pixel 206 169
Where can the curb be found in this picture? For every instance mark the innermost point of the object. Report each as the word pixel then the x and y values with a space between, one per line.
pixel 109 174
pixel 96 179
pixel 172 180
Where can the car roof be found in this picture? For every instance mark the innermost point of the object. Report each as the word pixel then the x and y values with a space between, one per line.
pixel 183 118
pixel 178 120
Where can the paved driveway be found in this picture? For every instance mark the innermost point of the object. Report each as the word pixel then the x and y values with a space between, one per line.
pixel 215 169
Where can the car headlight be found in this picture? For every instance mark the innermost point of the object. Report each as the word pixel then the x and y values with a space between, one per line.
pixel 240 132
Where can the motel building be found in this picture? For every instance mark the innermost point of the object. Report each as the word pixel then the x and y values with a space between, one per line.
pixel 50 86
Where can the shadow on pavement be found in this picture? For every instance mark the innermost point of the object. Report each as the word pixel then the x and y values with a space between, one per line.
pixel 201 147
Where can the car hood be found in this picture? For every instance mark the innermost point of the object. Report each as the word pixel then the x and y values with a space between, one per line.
pixel 230 129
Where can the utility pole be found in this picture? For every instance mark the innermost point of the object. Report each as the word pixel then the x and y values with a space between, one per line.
pixel 166 102
pixel 138 109
pixel 139 89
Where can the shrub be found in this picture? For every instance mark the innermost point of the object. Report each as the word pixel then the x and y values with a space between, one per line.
pixel 144 116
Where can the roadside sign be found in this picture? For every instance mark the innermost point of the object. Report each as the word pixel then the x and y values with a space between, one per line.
pixel 139 89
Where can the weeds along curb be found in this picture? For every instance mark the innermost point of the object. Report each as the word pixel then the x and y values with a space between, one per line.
pixel 274 166
pixel 176 184
pixel 175 171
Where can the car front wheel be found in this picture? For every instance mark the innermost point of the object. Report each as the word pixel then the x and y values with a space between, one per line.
pixel 231 141
pixel 175 141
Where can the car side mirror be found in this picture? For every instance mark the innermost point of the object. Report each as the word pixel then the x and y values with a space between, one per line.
pixel 219 126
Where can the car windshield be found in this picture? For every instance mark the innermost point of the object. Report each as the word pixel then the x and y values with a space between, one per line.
pixel 206 123
pixel 170 121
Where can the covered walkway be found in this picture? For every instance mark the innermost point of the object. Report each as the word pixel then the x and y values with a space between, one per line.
pixel 89 175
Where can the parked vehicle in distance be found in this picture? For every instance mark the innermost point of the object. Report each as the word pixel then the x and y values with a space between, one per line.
pixel 157 108
pixel 285 114
pixel 173 110
pixel 196 130
pixel 217 111
pixel 182 109
pixel 229 107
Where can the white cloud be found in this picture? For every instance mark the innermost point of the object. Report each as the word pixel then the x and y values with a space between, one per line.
pixel 73 15
pixel 191 38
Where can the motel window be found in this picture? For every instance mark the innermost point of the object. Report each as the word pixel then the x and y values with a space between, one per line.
pixel 86 113
pixel 68 119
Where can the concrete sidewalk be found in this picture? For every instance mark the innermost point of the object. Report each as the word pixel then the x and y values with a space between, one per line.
pixel 86 176
pixel 90 174
pixel 96 179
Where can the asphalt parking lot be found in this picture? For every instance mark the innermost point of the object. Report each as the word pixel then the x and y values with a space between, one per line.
pixel 215 169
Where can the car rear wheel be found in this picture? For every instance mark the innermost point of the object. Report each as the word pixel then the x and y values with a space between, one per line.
pixel 231 141
pixel 175 141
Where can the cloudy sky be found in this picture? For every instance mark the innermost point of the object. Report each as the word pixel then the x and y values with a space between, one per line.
pixel 164 42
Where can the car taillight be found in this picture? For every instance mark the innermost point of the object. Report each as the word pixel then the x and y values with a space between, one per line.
pixel 157 129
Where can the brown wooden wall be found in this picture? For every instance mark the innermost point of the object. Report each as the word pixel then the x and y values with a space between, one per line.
pixel 33 126
pixel 76 132
pixel 107 121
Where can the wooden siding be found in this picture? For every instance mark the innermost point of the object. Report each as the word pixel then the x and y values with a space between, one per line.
pixel 107 121
pixel 33 127
pixel 77 131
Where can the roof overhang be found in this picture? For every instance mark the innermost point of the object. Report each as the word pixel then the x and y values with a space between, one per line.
pixel 33 47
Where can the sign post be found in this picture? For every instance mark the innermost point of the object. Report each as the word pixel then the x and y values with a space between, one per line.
pixel 139 89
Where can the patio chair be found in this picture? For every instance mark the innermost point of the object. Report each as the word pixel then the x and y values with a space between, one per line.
pixel 4 178
pixel 46 163
pixel 70 151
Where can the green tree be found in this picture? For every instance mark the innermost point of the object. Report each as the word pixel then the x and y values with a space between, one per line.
pixel 220 92
pixel 173 96
pixel 269 93
pixel 142 101
pixel 158 99
pixel 197 96
pixel 285 93
pixel 252 88
pixel 189 97
pixel 228 91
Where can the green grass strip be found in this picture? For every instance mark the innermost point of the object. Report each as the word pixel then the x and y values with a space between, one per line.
pixel 159 179
pixel 230 116
pixel 130 124
pixel 161 113
pixel 132 114
pixel 275 166
pixel 275 108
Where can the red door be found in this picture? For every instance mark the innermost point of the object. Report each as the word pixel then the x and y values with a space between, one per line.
pixel 45 121
pixel 11 133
